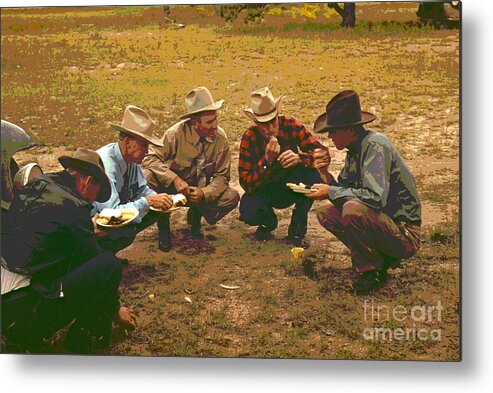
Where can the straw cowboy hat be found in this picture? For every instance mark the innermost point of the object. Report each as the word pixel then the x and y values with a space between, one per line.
pixel 264 106
pixel 200 100
pixel 343 110
pixel 137 123
pixel 90 162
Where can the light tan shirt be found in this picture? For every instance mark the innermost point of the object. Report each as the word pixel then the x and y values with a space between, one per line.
pixel 179 156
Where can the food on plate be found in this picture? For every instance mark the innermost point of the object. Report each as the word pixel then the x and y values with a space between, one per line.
pixel 179 200
pixel 114 216
pixel 301 185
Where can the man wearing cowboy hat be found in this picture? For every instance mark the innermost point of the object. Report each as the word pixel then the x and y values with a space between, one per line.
pixel 129 188
pixel 53 269
pixel 194 159
pixel 375 209
pixel 274 151
pixel 13 140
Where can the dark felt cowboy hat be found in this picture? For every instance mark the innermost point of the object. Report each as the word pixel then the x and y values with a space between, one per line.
pixel 138 124
pixel 90 162
pixel 343 110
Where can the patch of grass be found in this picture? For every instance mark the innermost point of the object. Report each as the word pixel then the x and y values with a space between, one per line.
pixel 266 314
pixel 345 353
pixel 445 233
pixel 66 85
pixel 220 319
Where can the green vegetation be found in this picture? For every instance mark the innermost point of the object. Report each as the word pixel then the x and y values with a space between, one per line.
pixel 67 72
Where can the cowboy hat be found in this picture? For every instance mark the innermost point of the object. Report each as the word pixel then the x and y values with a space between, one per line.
pixel 264 106
pixel 12 140
pixel 137 123
pixel 200 100
pixel 343 110
pixel 90 162
pixel 24 175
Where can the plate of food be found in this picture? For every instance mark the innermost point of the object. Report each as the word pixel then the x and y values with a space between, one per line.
pixel 179 200
pixel 300 188
pixel 115 218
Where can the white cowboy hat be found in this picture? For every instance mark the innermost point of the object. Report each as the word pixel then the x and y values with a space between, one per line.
pixel 200 100
pixel 264 106
pixel 137 123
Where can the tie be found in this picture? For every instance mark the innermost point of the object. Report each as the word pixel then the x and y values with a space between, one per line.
pixel 201 176
pixel 125 192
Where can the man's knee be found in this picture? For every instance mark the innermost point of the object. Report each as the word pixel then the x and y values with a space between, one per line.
pixel 118 239
pixel 110 266
pixel 247 213
pixel 230 199
pixel 353 212
pixel 328 216
pixel 251 208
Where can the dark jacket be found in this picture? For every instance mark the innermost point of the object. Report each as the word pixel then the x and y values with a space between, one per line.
pixel 48 232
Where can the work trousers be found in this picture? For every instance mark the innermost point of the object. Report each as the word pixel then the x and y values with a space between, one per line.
pixel 117 239
pixel 213 210
pixel 372 237
pixel 90 299
pixel 258 208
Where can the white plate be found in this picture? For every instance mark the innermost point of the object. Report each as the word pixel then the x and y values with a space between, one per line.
pixel 298 189
pixel 165 211
pixel 302 190
pixel 135 213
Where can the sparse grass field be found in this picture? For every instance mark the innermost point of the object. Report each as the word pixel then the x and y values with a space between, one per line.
pixel 66 72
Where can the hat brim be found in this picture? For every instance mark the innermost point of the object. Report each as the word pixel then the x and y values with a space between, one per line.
pixel 93 170
pixel 149 139
pixel 264 118
pixel 322 125
pixel 214 107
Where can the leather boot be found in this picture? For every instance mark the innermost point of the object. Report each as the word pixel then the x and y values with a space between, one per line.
pixel 297 231
pixel 164 233
pixel 193 218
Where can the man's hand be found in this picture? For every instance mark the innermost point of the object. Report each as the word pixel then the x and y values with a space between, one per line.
pixel 196 195
pixel 160 201
pixel 322 158
pixel 289 159
pixel 181 185
pixel 127 317
pixel 321 163
pixel 322 192
pixel 272 149
pixel 97 230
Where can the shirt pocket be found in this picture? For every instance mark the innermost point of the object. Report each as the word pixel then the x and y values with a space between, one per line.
pixel 185 157
pixel 209 167
pixel 180 163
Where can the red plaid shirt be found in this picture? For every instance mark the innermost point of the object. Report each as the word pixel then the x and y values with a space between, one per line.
pixel 255 171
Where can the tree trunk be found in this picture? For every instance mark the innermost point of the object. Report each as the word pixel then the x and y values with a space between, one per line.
pixel 432 13
pixel 349 17
pixel 348 13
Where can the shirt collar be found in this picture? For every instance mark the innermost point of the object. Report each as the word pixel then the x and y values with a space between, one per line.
pixel 119 158
pixel 192 136
pixel 356 146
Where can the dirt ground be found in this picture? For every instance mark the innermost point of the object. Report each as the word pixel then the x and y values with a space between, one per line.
pixel 66 73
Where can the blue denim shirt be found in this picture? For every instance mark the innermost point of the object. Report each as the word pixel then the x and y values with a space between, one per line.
pixel 116 167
